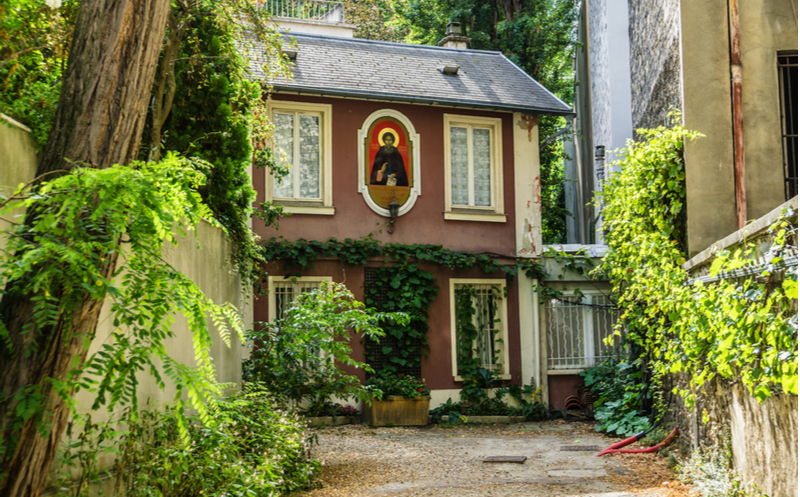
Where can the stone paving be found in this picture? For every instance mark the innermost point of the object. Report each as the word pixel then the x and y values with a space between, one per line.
pixel 435 461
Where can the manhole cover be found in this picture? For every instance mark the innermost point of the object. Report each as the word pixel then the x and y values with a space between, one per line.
pixel 515 459
pixel 576 448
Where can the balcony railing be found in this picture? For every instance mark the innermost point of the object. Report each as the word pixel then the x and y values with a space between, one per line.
pixel 332 12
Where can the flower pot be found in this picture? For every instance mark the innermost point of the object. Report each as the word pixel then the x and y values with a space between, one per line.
pixel 398 411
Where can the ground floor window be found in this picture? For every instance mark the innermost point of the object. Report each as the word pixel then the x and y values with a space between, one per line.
pixel 282 292
pixel 577 326
pixel 479 326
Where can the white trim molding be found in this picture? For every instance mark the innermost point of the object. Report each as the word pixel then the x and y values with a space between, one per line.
pixel 501 338
pixel 416 189
pixel 495 212
pixel 323 205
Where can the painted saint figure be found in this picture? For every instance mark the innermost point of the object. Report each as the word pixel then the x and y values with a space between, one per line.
pixel 388 167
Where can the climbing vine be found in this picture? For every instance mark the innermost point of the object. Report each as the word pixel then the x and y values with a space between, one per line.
pixel 401 287
pixel 301 254
pixel 735 328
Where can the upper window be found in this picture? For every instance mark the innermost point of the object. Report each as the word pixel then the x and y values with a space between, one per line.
pixel 479 331
pixel 282 292
pixel 302 141
pixel 473 168
pixel 787 73
pixel 577 327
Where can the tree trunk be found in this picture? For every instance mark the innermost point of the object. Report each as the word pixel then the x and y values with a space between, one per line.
pixel 164 90
pixel 98 122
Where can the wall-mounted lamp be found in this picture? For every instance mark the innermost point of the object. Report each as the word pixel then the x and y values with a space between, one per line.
pixel 394 213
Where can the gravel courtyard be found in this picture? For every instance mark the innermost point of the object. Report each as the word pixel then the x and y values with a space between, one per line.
pixel 432 461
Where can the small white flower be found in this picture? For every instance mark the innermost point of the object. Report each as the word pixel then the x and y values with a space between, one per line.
pixel 53 4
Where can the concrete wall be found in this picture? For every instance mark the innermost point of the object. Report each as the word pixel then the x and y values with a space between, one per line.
pixel 680 57
pixel 763 436
pixel 17 163
pixel 207 266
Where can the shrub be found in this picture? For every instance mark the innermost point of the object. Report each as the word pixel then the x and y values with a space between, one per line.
pixel 253 449
pixel 402 385
pixel 299 358
pixel 619 390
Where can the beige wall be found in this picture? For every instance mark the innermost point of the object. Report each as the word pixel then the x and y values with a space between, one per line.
pixel 207 266
pixel 767 26
pixel 17 163
pixel 707 108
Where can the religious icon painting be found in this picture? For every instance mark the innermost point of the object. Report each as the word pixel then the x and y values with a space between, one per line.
pixel 388 162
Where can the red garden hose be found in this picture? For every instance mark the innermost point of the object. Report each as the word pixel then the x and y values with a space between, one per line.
pixel 616 447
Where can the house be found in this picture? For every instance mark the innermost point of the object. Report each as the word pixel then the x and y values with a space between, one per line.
pixel 448 138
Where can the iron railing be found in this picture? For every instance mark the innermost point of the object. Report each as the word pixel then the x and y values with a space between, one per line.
pixel 313 10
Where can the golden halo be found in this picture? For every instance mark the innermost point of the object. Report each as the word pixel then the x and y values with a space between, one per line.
pixel 389 130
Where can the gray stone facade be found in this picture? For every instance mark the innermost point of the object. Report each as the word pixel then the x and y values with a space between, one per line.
pixel 654 27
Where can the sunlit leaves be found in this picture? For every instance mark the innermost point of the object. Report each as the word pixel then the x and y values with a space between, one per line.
pixel 736 328
pixel 82 222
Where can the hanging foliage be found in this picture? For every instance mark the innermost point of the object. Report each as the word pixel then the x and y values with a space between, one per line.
pixel 740 329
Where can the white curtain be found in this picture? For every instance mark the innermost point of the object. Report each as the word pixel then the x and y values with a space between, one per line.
pixel 459 173
pixel 284 142
pixel 482 163
pixel 309 157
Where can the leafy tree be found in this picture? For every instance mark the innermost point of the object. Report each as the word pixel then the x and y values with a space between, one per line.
pixel 98 122
pixel 34 37
pixel 65 253
pixel 537 35
pixel 299 356
pixel 373 20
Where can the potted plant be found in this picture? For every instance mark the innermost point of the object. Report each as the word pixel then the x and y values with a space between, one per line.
pixel 397 400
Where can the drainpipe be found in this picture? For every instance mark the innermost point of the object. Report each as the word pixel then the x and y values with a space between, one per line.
pixel 738 118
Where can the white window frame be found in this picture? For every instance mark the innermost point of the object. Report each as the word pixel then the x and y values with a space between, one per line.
pixel 493 213
pixel 271 280
pixel 323 205
pixel 589 356
pixel 501 339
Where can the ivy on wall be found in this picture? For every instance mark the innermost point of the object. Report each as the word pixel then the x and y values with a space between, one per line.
pixel 738 329
pixel 301 255
pixel 400 287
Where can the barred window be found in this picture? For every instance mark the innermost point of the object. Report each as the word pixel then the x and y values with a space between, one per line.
pixel 787 75
pixel 577 327
pixel 479 325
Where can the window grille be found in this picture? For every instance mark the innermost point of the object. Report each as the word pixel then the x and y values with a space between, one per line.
pixel 487 347
pixel 577 327
pixel 787 74
pixel 284 293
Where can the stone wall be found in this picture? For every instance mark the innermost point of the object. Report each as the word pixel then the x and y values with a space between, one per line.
pixel 654 28
pixel 763 436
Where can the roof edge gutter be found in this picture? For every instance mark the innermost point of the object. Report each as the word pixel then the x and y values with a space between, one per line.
pixel 322 92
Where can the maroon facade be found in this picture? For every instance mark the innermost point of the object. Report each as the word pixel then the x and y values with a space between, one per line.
pixel 423 224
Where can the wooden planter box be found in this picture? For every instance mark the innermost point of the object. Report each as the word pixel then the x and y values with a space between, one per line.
pixel 398 411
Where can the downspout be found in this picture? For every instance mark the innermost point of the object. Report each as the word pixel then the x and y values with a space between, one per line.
pixel 738 117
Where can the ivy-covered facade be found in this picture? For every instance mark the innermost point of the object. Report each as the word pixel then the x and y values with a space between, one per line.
pixel 413 178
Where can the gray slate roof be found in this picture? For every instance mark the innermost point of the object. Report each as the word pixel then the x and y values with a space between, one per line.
pixel 349 67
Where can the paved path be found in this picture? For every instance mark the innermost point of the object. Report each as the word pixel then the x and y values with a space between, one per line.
pixel 401 462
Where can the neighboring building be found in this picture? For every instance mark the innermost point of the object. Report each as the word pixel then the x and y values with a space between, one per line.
pixel 731 69
pixel 466 167
pixel 602 121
